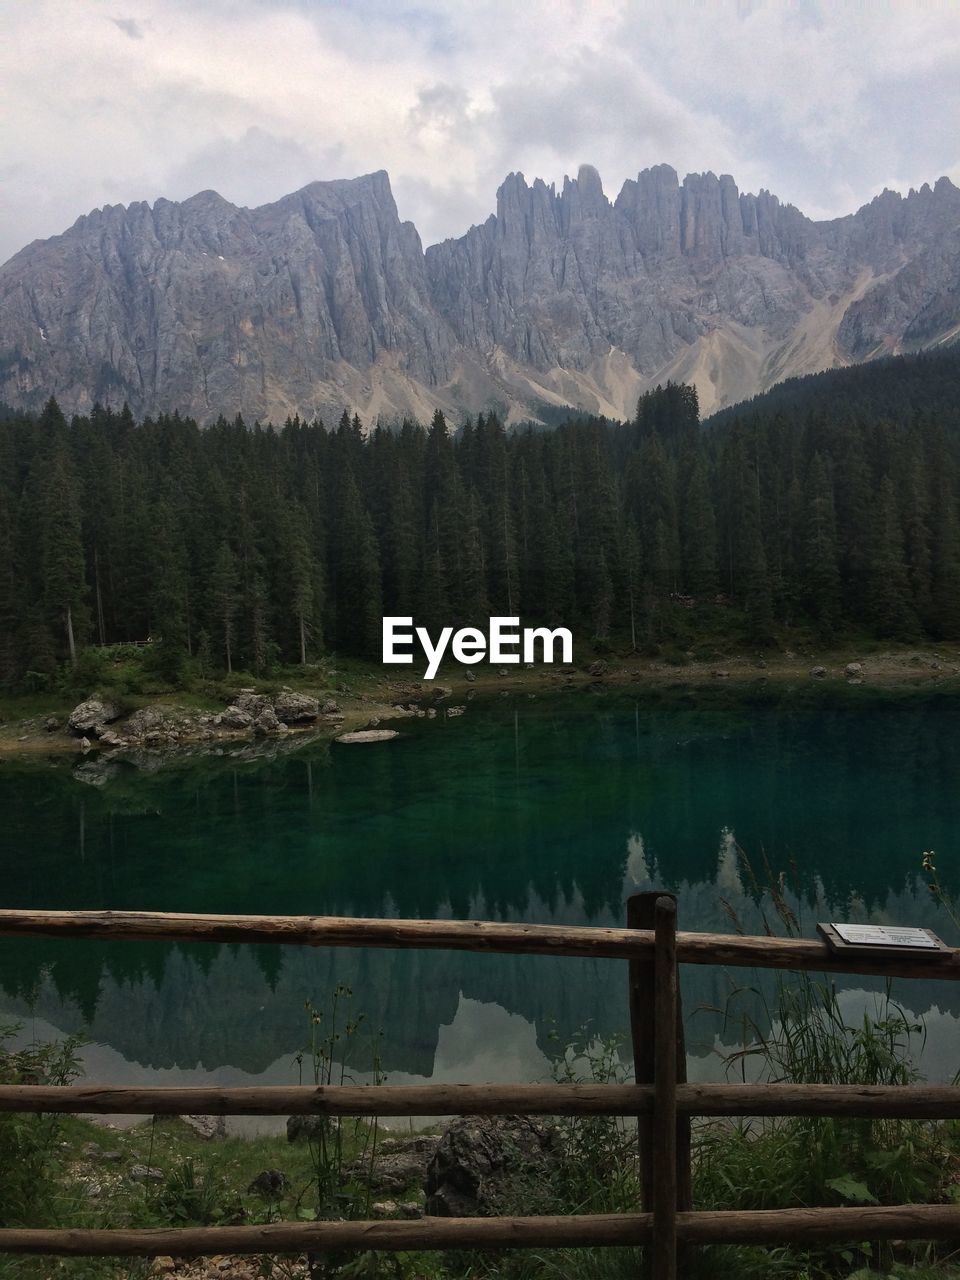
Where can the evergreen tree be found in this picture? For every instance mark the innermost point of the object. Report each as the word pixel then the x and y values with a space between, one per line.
pixel 224 601
pixel 821 573
pixel 302 579
pixel 243 545
pixel 64 581
pixel 10 603
pixel 698 532
pixel 890 609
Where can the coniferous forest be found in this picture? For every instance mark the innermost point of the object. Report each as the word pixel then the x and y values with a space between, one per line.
pixel 828 514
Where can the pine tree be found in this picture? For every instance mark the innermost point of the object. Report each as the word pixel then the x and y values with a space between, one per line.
pixel 917 532
pixel 10 604
pixel 890 610
pixel 819 567
pixel 698 532
pixel 224 601
pixel 64 581
pixel 301 578
pixel 258 612
pixel 355 595
pixel 634 582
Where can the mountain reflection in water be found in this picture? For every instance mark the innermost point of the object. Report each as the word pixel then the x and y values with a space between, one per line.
pixel 551 810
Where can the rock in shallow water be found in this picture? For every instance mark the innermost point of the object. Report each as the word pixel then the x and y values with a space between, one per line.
pixel 368 735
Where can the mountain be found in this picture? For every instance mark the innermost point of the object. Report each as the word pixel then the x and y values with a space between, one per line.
pixel 326 298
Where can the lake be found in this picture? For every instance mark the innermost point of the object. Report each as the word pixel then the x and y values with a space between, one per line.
pixel 551 809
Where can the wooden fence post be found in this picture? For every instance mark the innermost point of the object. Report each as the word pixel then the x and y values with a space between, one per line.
pixel 641 914
pixel 665 1186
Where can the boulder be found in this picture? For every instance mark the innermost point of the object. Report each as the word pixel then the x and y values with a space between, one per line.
pixel 144 1173
pixel 330 708
pixel 295 708
pixel 90 716
pixel 853 670
pixel 818 673
pixel 253 703
pixel 266 722
pixel 51 724
pixel 207 1126
pixel 143 722
pixel 442 691
pixel 236 718
pixel 598 668
pixel 470 675
pixel 368 735
pixel 482 1163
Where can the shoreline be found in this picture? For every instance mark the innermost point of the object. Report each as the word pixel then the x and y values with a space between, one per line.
pixel 378 699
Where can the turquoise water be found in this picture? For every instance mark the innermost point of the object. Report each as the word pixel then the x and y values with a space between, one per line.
pixel 553 809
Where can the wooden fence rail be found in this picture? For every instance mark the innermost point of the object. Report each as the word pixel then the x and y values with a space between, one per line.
pixel 662 1101
pixel 758 1227
pixel 729 950
pixel 850 1101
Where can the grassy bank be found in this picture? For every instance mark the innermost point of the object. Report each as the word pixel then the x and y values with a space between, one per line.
pixel 366 691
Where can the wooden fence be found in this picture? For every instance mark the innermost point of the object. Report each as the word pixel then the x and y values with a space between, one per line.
pixel 661 1099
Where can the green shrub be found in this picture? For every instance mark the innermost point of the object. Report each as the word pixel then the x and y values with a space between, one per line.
pixel 189 1196
pixel 30 1182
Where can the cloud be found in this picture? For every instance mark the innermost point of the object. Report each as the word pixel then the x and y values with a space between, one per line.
pixel 252 169
pixel 443 108
pixel 604 109
pixel 817 101
pixel 129 26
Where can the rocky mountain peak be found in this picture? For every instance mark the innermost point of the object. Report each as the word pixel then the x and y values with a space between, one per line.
pixel 585 192
pixel 324 298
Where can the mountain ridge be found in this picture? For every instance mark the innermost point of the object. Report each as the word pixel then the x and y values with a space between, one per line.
pixel 326 298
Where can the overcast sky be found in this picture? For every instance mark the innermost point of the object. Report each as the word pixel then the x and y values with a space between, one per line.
pixel 824 102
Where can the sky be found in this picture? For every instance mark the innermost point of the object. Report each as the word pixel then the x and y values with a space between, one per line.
pixel 824 102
